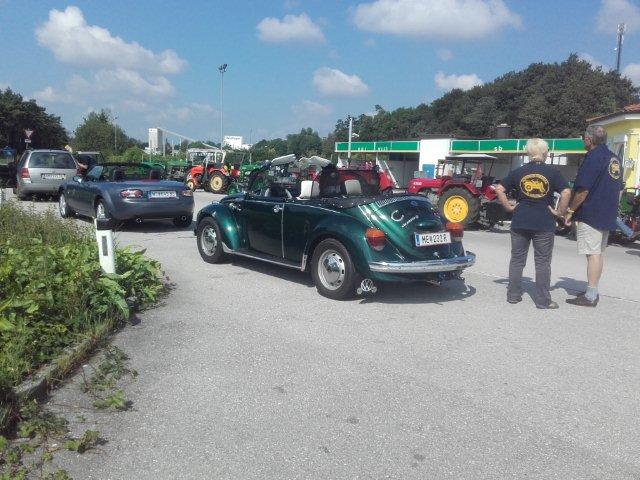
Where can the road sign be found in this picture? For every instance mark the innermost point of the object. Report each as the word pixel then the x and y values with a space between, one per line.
pixel 28 132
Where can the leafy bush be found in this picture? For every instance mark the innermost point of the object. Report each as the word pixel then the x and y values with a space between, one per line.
pixel 53 292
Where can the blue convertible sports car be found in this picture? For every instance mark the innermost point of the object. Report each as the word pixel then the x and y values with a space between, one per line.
pixel 125 191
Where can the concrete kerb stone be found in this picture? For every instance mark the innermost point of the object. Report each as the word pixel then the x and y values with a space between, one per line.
pixel 39 384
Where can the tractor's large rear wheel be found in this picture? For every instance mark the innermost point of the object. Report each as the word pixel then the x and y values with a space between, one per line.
pixel 218 183
pixel 460 206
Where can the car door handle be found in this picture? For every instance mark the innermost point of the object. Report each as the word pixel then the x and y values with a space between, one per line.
pixel 277 208
pixel 235 206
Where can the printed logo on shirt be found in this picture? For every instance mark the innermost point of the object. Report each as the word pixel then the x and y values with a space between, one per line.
pixel 615 170
pixel 534 185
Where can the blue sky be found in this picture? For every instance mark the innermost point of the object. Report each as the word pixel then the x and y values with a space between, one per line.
pixel 292 63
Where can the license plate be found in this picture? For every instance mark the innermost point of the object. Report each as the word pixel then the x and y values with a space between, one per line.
pixel 163 194
pixel 54 176
pixel 430 239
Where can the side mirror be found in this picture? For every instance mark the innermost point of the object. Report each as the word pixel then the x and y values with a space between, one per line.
pixel 77 178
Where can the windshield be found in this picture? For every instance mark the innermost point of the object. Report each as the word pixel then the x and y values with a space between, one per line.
pixel 52 160
pixel 348 183
pixel 123 173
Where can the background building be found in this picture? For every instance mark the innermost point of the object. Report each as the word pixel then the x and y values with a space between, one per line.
pixel 623 138
pixel 419 158
pixel 156 140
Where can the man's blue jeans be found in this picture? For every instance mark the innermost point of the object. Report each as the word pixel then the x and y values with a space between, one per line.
pixel 624 228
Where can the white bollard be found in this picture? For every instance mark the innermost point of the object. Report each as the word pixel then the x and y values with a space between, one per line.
pixel 105 249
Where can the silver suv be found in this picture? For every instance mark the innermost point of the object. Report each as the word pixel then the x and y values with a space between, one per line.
pixel 43 171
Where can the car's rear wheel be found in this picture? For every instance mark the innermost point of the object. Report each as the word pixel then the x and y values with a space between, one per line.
pixel 102 213
pixel 183 221
pixel 210 241
pixel 332 270
pixel 63 207
pixel 218 183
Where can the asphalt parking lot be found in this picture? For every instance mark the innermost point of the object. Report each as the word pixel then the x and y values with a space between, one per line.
pixel 246 372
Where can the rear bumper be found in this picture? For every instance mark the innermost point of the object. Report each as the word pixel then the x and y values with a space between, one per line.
pixel 428 266
pixel 124 210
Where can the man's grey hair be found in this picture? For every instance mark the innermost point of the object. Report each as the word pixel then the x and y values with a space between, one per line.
pixel 597 134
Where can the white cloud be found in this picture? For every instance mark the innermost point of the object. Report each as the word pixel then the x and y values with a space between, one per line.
pixel 51 95
pixel 592 60
pixel 613 12
pixel 132 82
pixel 73 41
pixel 308 108
pixel 632 72
pixel 437 19
pixel 444 54
pixel 463 82
pixel 334 83
pixel 292 28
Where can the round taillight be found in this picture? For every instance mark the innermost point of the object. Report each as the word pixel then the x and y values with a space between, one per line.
pixel 456 230
pixel 131 193
pixel 375 238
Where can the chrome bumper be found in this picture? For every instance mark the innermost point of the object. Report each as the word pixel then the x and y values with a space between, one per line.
pixel 428 266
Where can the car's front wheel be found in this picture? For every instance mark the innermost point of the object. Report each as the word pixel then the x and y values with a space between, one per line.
pixel 210 241
pixel 63 206
pixel 332 270
pixel 102 213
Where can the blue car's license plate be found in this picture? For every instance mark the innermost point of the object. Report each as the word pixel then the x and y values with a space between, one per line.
pixel 430 239
pixel 163 194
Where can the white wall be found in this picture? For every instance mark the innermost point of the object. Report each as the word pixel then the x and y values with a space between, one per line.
pixel 432 150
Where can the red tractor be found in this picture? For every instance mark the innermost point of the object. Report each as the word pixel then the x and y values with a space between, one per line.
pixel 462 190
pixel 211 170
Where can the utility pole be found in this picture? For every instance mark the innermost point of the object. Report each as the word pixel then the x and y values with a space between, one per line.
pixel 621 29
pixel 222 68
pixel 349 144
pixel 115 136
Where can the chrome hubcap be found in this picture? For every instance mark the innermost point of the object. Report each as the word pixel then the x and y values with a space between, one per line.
pixel 63 204
pixel 101 212
pixel 331 270
pixel 209 240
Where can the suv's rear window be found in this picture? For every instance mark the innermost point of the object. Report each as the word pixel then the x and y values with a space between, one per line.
pixel 51 160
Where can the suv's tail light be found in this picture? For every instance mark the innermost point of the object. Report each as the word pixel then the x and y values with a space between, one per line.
pixel 375 238
pixel 131 193
pixel 24 173
pixel 456 230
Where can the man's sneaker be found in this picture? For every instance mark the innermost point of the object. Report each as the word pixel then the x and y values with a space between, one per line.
pixel 550 306
pixel 514 300
pixel 582 301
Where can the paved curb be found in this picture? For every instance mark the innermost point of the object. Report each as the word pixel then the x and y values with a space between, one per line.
pixel 38 385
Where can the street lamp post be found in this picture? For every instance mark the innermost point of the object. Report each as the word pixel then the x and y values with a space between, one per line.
pixel 115 136
pixel 222 68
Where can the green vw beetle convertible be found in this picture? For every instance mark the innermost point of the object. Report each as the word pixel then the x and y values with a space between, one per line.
pixel 308 215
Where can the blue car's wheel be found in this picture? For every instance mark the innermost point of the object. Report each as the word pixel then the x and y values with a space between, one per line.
pixel 332 270
pixel 63 207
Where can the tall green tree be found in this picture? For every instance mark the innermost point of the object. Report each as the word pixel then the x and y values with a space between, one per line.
pixel 552 99
pixel 98 132
pixel 18 114
pixel 305 143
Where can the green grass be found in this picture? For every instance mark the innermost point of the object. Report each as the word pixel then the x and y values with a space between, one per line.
pixel 53 292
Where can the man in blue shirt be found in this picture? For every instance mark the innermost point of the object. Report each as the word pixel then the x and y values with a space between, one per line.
pixel 533 220
pixel 594 207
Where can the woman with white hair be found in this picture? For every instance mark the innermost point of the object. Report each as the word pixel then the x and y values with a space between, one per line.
pixel 533 221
